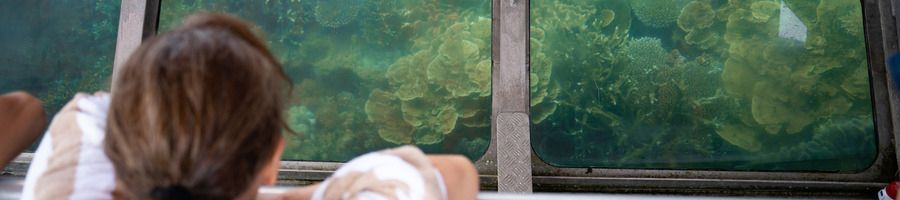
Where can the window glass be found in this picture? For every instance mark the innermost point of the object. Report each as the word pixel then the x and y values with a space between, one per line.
pixel 53 49
pixel 762 85
pixel 369 75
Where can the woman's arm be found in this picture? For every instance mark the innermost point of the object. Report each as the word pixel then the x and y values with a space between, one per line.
pixel 459 175
pixel 22 120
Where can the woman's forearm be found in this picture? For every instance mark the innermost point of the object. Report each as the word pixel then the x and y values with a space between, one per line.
pixel 460 176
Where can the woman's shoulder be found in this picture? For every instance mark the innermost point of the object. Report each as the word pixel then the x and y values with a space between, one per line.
pixel 69 161
pixel 399 173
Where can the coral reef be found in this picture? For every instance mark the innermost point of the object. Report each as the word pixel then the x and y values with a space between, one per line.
pixel 736 79
pixel 658 13
pixel 691 84
pixel 336 13
pixel 444 83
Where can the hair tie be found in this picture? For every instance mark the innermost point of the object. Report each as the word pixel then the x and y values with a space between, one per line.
pixel 174 192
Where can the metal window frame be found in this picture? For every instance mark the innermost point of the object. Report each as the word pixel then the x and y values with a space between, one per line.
pixel 510 24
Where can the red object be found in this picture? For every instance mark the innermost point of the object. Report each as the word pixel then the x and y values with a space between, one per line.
pixel 892 189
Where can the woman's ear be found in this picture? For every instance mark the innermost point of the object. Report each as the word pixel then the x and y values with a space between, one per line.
pixel 269 175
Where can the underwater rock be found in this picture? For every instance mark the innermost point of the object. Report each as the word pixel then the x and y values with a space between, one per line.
pixel 336 13
pixel 740 135
pixel 384 112
pixel 696 15
pixel 658 13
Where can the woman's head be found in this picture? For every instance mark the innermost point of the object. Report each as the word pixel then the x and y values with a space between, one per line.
pixel 198 108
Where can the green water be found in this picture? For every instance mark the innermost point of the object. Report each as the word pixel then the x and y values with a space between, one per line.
pixel 703 84
pixel 370 75
pixel 53 49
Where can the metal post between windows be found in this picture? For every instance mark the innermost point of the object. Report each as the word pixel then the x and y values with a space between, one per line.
pixel 132 20
pixel 511 97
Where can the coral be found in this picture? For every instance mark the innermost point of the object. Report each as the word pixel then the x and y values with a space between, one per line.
pixel 474 146
pixel 301 119
pixel 658 13
pixel 695 19
pixel 540 78
pixel 337 13
pixel 612 16
pixel 408 77
pixel 443 83
pixel 564 15
pixel 740 135
pixel 644 57
pixel 852 22
pixel 543 109
pixel 540 75
pixel 383 110
pixel 778 109
pixel 480 75
pixel 645 53
pixel 762 11
pixel 703 39
pixel 460 51
pixel 700 80
pixel 481 118
pixel 857 83
pixel 606 17
pixel 696 15
pixel 845 144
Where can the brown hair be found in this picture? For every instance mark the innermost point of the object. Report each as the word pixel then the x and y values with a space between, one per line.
pixel 199 109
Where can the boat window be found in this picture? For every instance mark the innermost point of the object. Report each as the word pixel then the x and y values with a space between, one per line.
pixel 370 75
pixel 55 49
pixel 748 85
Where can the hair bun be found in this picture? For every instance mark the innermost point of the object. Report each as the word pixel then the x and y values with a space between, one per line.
pixel 174 192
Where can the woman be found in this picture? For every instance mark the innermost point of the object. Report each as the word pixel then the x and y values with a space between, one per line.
pixel 198 114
